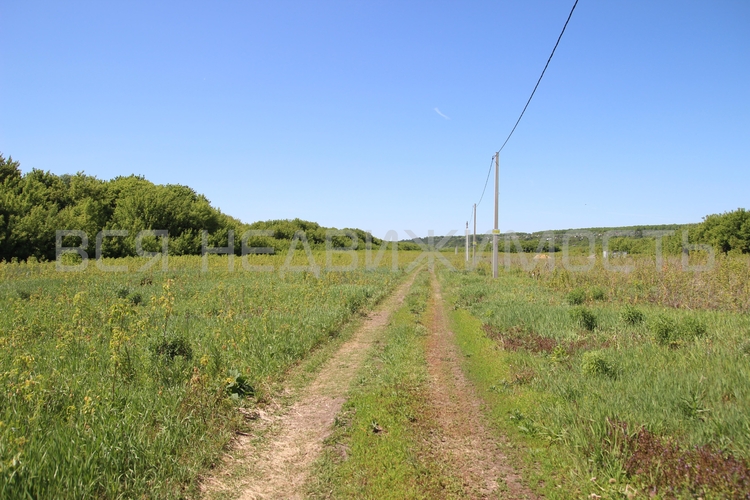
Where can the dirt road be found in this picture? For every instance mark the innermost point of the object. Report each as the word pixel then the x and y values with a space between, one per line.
pixel 463 434
pixel 278 465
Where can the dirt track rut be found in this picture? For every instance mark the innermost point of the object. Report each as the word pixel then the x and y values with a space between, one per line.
pixel 464 435
pixel 278 466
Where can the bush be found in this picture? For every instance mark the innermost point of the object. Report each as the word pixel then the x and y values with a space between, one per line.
pixel 669 332
pixel 693 328
pixel 596 363
pixel 168 347
pixel 631 315
pixel 135 298
pixel 664 330
pixel 576 297
pixel 583 318
pixel 598 294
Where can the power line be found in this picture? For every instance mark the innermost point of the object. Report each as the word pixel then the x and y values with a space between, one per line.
pixel 489 172
pixel 488 180
pixel 540 78
pixel 471 217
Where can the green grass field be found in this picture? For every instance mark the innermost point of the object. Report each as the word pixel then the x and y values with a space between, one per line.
pixel 123 385
pixel 608 393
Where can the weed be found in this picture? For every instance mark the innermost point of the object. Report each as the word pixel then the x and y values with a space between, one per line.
pixel 673 471
pixel 692 328
pixel 597 363
pixel 631 315
pixel 122 292
pixel 584 318
pixel 23 294
pixel 238 385
pixel 664 330
pixel 598 293
pixel 576 297
pixel 524 423
pixel 135 298
pixel 523 377
pixel 559 354
pixel 669 332
pixel 168 347
pixel 693 405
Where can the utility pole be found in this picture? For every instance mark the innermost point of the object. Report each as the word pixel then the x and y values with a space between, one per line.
pixel 474 239
pixel 467 241
pixel 496 230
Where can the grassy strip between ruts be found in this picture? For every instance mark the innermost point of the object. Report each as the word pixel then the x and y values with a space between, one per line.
pixel 606 400
pixel 380 446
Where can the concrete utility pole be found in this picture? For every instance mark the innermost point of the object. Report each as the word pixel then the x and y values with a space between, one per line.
pixel 496 231
pixel 467 241
pixel 474 239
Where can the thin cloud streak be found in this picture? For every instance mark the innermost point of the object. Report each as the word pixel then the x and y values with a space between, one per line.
pixel 441 114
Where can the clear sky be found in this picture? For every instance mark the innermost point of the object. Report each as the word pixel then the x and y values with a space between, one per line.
pixel 385 114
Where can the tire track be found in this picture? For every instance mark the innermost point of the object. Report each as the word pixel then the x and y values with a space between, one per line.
pixel 464 436
pixel 278 466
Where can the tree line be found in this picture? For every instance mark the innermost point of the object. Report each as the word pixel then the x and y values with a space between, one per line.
pixel 34 205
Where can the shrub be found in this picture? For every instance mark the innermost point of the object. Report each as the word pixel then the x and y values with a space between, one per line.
pixel 584 318
pixel 135 298
pixel 596 363
pixel 692 328
pixel 598 294
pixel 576 297
pixel 168 347
pixel 668 332
pixel 172 355
pixel 631 315
pixel 664 330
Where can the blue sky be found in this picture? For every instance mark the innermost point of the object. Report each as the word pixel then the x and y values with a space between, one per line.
pixel 384 115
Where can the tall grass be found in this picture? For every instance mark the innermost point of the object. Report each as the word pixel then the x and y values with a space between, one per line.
pixel 123 385
pixel 593 389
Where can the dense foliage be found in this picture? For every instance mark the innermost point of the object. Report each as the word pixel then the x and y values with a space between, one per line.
pixel 33 206
pixel 727 232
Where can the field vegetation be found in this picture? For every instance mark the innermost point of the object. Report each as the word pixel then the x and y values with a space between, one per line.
pixel 379 447
pixel 126 385
pixel 616 384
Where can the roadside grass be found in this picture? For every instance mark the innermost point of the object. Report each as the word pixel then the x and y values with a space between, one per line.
pixel 640 403
pixel 724 285
pixel 122 385
pixel 379 447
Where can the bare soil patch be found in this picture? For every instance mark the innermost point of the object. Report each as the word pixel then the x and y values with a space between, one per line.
pixel 463 434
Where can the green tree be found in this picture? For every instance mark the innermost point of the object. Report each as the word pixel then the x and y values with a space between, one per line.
pixel 727 232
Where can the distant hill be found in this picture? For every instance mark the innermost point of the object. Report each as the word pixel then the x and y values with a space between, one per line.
pixel 728 233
